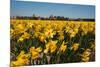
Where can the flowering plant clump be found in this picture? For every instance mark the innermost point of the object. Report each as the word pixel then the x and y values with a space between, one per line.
pixel 37 42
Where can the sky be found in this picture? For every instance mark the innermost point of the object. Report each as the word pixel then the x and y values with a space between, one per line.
pixel 21 8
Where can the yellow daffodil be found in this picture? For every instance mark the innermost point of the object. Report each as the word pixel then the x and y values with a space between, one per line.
pixel 20 39
pixel 75 46
pixel 51 46
pixel 22 59
pixel 35 52
pixel 72 34
pixel 49 33
pixel 42 38
pixel 24 36
pixel 86 55
pixel 63 47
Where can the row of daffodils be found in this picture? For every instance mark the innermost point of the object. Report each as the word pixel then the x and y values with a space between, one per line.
pixel 37 42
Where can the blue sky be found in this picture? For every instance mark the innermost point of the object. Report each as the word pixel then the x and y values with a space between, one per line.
pixel 20 8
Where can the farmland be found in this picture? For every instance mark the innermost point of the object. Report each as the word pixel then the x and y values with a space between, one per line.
pixel 38 42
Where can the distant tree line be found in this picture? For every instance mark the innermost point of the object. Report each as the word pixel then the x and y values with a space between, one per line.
pixel 51 17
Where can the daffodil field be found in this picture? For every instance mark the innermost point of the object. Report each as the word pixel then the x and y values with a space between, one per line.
pixel 38 42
